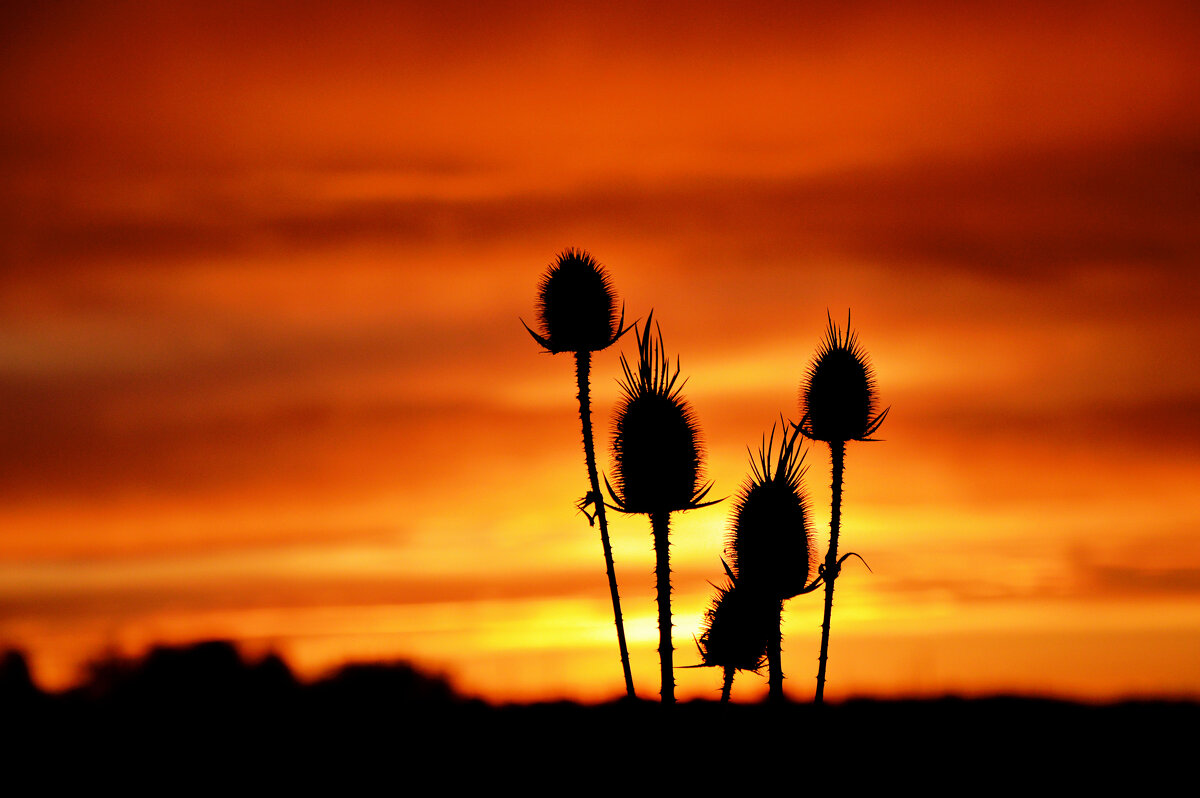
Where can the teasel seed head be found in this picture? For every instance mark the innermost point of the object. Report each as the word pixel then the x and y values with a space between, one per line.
pixel 771 541
pixel 838 397
pixel 736 629
pixel 657 451
pixel 577 306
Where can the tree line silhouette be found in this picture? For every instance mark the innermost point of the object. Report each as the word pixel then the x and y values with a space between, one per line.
pixel 214 675
pixel 175 715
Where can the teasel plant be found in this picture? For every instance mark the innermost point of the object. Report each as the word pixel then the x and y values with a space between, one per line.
pixel 577 313
pixel 770 542
pixel 839 404
pixel 657 466
pixel 736 631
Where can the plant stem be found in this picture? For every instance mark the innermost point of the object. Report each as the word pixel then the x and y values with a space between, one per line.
pixel 583 366
pixel 727 688
pixel 837 452
pixel 660 524
pixel 775 657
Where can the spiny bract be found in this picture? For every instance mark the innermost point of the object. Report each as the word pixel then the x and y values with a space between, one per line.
pixel 770 545
pixel 656 440
pixel 577 306
pixel 838 396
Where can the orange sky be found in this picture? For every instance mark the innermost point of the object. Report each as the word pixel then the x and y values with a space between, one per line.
pixel 262 375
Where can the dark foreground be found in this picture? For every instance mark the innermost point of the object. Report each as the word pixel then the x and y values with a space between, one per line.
pixel 200 714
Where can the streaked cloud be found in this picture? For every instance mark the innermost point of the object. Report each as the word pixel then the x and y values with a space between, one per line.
pixel 262 267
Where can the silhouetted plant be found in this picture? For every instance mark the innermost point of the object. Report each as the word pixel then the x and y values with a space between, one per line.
pixel 657 466
pixel 770 543
pixel 736 630
pixel 838 403
pixel 577 312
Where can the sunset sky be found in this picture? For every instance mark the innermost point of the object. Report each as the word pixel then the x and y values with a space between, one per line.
pixel 263 375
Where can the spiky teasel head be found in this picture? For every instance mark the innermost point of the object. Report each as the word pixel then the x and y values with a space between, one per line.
pixel 838 397
pixel 770 544
pixel 656 441
pixel 577 306
pixel 736 629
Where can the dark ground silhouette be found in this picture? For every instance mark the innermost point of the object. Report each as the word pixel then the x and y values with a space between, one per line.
pixel 205 706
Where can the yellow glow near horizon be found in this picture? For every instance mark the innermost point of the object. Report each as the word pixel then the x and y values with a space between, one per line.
pixel 263 376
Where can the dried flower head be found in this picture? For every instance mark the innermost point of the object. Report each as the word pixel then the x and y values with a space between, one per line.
pixel 838 397
pixel 577 306
pixel 656 440
pixel 736 629
pixel 770 544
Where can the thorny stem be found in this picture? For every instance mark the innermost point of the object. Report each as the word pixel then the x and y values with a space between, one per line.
pixel 583 365
pixel 837 452
pixel 660 525
pixel 775 657
pixel 727 687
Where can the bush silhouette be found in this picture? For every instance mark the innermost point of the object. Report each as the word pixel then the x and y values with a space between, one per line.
pixel 18 693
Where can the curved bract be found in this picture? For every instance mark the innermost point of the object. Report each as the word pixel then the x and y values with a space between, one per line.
pixel 577 306
pixel 656 441
pixel 838 396
pixel 770 543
